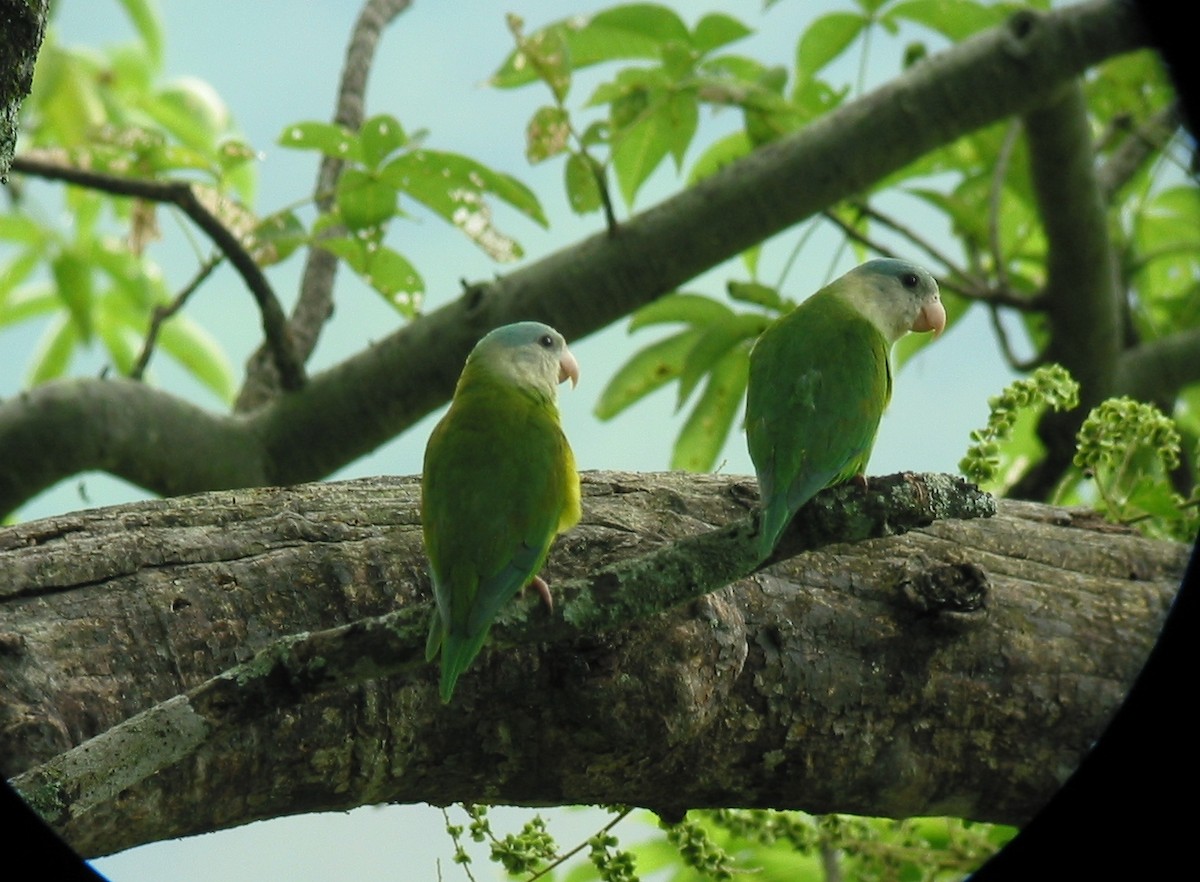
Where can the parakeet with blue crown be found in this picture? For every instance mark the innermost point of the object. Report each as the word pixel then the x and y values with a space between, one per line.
pixel 820 378
pixel 499 484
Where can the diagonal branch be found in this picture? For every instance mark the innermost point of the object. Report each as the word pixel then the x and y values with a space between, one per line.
pixel 181 195
pixel 161 313
pixel 314 305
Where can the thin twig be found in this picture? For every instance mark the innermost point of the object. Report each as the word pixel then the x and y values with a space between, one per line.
pixel 314 302
pixel 907 232
pixel 567 855
pixel 161 313
pixel 1022 365
pixel 181 195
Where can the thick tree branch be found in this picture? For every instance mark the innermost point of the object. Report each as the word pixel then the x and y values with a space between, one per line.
pixel 368 399
pixel 964 668
pixel 314 304
pixel 1083 292
pixel 183 196
pixel 24 28
pixel 125 428
pixel 1160 368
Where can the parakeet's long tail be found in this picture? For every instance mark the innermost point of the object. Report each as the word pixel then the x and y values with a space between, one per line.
pixel 458 651
pixel 772 522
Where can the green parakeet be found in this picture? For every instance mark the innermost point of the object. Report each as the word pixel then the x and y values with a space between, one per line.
pixel 820 378
pixel 499 483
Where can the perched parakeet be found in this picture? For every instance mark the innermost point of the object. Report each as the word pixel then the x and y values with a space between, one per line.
pixel 499 483
pixel 820 378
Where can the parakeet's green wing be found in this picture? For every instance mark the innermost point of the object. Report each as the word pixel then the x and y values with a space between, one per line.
pixel 518 483
pixel 819 382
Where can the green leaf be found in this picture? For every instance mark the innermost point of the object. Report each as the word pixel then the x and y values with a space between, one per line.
pixel 646 370
pixel 191 110
pixel 73 107
pixel 758 294
pixel 348 248
pixel 234 152
pixel 26 303
pixel 698 310
pixel 707 427
pixel 719 154
pixel 364 200
pixel 824 40
pixel 714 342
pixel 16 271
pixel 119 339
pixel 275 238
pixel 614 29
pixel 621 33
pixel 666 127
pixel 546 54
pixel 73 280
pixel 717 29
pixel 548 134
pixel 54 350
pixel 954 19
pixel 379 138
pixel 583 183
pixel 130 274
pixel 454 186
pixel 199 353
pixel 146 21
pixel 329 138
pixel 22 228
pixel 391 274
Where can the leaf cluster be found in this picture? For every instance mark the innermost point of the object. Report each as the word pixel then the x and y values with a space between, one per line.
pixel 1126 452
pixel 94 281
pixel 385 167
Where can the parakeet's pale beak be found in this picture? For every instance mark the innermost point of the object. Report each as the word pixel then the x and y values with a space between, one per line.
pixel 568 367
pixel 931 318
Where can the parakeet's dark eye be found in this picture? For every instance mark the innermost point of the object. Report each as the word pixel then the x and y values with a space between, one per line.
pixel 546 341
pixel 909 280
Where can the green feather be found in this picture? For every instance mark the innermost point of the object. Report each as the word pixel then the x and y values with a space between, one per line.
pixel 499 483
pixel 819 381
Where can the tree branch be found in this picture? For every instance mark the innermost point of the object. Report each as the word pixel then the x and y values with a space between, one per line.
pixel 368 399
pixel 1160 368
pixel 1140 145
pixel 24 28
pixel 183 196
pixel 161 313
pixel 964 668
pixel 314 305
pixel 1083 291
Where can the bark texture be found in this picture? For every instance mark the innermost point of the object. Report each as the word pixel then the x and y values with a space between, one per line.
pixel 963 668
pixel 24 27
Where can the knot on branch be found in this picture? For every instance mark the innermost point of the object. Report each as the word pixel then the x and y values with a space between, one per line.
pixel 1021 26
pixel 956 591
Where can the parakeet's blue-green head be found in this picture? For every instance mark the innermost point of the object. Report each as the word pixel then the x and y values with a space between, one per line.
pixel 896 296
pixel 528 354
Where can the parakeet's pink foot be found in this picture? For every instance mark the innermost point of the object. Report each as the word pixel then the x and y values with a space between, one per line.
pixel 539 585
pixel 860 481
